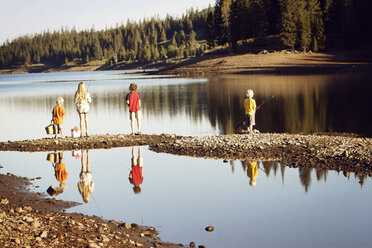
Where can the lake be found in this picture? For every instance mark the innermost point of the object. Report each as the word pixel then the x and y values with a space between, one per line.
pixel 180 195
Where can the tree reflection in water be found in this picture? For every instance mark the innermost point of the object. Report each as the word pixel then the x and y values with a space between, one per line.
pixel 269 168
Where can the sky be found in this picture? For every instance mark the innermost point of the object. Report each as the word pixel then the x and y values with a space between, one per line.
pixel 28 17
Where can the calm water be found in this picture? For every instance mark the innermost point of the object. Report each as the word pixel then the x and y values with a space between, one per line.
pixel 322 103
pixel 181 195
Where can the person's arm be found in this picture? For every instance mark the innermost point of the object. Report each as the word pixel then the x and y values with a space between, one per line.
pixel 127 98
pixel 89 98
pixel 52 116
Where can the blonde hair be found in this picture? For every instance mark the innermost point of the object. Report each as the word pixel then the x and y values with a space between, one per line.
pixel 60 100
pixel 249 93
pixel 85 191
pixel 81 93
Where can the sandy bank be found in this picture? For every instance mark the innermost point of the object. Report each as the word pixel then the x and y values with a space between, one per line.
pixel 283 62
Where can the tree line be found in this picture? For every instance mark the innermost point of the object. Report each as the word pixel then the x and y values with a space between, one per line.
pixel 298 24
pixel 148 40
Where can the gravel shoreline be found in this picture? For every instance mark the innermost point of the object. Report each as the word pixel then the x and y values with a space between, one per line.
pixel 31 220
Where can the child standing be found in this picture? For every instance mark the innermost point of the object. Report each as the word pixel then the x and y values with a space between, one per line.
pixel 133 101
pixel 58 113
pixel 250 110
pixel 135 175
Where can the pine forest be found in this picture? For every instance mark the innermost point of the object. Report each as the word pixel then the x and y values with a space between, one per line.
pixel 232 25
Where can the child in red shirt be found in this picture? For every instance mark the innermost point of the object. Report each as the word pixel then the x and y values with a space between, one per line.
pixel 58 113
pixel 133 101
pixel 135 175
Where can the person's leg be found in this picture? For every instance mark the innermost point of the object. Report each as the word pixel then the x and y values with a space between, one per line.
pixel 132 121
pixel 140 160
pixel 88 161
pixel 86 124
pixel 138 117
pixel 81 125
pixel 133 152
pixel 138 126
pixel 55 127
pixel 82 161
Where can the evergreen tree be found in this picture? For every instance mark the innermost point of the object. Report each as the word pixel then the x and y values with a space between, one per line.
pixel 211 37
pixel 291 22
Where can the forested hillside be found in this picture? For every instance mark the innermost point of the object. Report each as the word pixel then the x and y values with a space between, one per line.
pixel 297 24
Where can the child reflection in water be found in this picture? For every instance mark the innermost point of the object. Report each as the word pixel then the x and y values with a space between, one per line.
pixel 86 184
pixel 135 176
pixel 60 174
pixel 252 172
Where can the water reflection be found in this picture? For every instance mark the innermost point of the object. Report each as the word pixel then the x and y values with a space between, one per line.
pixel 251 168
pixel 252 172
pixel 85 184
pixel 135 175
pixel 218 195
pixel 58 162
pixel 295 104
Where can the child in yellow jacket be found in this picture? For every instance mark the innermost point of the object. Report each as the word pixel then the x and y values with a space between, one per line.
pixel 250 110
pixel 58 113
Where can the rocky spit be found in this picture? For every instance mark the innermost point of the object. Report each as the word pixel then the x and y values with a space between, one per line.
pixel 342 152
pixel 92 142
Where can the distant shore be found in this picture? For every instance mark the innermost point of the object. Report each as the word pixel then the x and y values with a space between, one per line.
pixel 275 62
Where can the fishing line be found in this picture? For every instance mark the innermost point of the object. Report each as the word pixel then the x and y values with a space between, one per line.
pixel 94 72
pixel 269 173
pixel 99 210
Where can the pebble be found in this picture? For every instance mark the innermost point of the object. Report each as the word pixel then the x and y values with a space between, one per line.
pixel 209 228
pixel 93 245
pixel 4 201
pixel 44 234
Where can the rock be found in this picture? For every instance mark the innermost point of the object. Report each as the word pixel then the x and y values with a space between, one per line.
pixel 192 244
pixel 105 239
pixel 19 210
pixel 135 226
pixel 125 225
pixel 28 219
pixel 209 228
pixel 36 224
pixel 44 234
pixel 4 201
pixel 16 240
pixel 93 245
